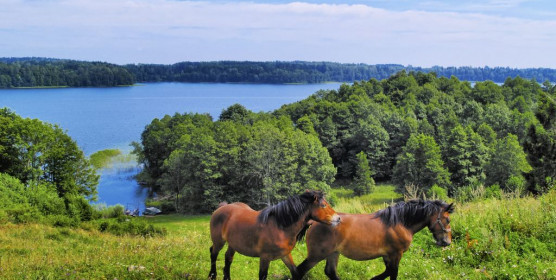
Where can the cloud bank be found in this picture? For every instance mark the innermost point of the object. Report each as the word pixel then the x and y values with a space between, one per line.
pixel 163 31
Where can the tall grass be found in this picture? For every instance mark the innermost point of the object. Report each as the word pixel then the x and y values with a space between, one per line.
pixel 511 238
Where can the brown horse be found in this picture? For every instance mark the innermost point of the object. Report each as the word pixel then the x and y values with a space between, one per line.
pixel 268 234
pixel 386 233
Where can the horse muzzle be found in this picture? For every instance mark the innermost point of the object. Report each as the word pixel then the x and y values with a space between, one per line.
pixel 335 220
pixel 443 243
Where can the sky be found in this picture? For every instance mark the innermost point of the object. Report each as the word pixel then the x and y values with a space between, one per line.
pixel 505 33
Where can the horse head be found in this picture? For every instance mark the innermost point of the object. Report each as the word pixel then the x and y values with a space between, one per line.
pixel 439 225
pixel 320 210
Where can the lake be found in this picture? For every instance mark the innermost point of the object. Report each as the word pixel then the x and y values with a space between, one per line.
pixel 103 118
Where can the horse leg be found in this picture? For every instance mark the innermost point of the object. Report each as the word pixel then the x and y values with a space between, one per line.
pixel 263 268
pixel 331 264
pixel 304 267
pixel 228 262
pixel 214 250
pixel 391 263
pixel 288 261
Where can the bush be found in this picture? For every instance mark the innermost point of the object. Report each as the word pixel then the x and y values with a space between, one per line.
pixel 103 211
pixel 515 184
pixel 470 193
pixel 165 205
pixel 125 226
pixel 63 221
pixel 22 214
pixel 44 197
pixel 494 191
pixel 437 192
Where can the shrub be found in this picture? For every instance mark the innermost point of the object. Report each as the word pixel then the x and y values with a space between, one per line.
pixel 470 193
pixel 493 191
pixel 44 197
pixel 125 226
pixel 515 184
pixel 103 211
pixel 165 205
pixel 437 192
pixel 63 221
pixel 22 214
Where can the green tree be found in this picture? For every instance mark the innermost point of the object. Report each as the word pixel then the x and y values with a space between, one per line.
pixel 465 156
pixel 236 113
pixel 540 145
pixel 173 181
pixel 420 164
pixel 363 183
pixel 306 125
pixel 371 138
pixel 507 160
pixel 31 150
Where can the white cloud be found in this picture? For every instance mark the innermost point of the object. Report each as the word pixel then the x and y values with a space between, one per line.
pixel 162 31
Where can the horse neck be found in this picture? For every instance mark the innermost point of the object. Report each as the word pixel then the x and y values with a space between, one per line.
pixel 417 226
pixel 295 228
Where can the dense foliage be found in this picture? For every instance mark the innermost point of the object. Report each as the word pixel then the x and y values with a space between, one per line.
pixel 419 129
pixel 37 72
pixel 278 72
pixel 43 171
pixel 254 158
pixel 432 134
pixel 45 178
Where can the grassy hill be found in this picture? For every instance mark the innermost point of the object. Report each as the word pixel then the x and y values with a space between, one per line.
pixel 510 238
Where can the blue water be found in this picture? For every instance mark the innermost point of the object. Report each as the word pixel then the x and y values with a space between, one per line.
pixel 103 118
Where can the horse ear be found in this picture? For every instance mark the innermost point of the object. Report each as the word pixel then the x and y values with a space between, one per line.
pixel 450 208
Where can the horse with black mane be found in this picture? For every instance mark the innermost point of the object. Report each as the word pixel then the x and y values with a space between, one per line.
pixel 269 234
pixel 386 233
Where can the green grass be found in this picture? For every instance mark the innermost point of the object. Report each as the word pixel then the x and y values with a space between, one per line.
pixel 382 196
pixel 492 239
pixel 102 159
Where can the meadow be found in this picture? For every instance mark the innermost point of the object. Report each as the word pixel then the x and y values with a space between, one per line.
pixel 508 238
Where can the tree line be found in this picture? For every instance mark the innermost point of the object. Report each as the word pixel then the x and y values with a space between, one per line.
pixel 426 134
pixel 42 72
pixel 46 72
pixel 280 72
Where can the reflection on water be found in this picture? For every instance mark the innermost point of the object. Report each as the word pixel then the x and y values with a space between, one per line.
pixel 118 186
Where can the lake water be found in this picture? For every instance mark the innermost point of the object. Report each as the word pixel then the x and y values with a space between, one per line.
pixel 103 118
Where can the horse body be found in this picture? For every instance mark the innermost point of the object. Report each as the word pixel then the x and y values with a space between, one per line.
pixel 369 236
pixel 352 241
pixel 242 231
pixel 269 234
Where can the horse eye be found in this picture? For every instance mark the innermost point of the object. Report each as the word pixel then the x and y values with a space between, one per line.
pixel 323 205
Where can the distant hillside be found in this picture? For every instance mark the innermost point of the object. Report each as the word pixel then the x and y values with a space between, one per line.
pixel 49 72
pixel 279 72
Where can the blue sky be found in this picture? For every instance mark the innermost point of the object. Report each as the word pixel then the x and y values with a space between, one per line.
pixel 513 33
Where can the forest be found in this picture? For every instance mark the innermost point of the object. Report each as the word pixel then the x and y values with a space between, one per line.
pixel 430 135
pixel 44 72
pixel 280 72
pixel 48 72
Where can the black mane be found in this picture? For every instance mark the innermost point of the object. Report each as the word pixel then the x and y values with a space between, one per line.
pixel 289 211
pixel 411 212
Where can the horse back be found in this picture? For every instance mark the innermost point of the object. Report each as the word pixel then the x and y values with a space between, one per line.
pixel 358 237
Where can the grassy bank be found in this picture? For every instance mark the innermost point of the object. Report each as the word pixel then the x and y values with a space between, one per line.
pixel 492 239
